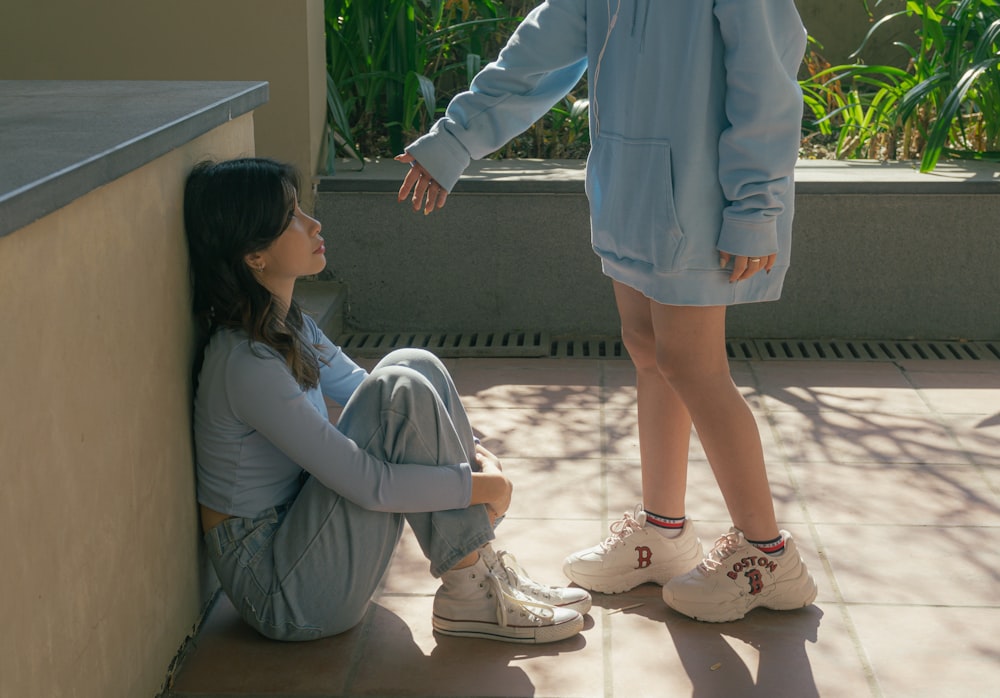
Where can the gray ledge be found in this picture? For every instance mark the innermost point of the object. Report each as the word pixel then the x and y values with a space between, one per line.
pixel 62 139
pixel 813 177
pixel 511 252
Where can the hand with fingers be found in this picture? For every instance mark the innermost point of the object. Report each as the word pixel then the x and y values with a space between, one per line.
pixel 489 464
pixel 745 267
pixel 427 194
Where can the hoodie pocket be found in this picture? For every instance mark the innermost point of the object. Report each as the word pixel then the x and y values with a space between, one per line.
pixel 631 192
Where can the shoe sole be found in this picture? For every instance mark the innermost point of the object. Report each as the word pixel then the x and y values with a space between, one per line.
pixel 708 612
pixel 615 585
pixel 529 635
pixel 619 584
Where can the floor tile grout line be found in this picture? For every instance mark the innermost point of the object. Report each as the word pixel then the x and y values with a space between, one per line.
pixel 607 641
pixel 945 424
pixel 939 606
pixel 861 653
pixel 936 526
pixel 937 417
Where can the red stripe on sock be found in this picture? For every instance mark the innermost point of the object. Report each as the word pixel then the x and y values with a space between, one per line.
pixel 769 547
pixel 664 522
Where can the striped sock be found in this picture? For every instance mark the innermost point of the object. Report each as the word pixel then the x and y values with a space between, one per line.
pixel 664 525
pixel 771 547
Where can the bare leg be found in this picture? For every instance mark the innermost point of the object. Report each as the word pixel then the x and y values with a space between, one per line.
pixel 664 422
pixel 688 346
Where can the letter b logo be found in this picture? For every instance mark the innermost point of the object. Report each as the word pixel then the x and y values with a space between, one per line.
pixel 645 557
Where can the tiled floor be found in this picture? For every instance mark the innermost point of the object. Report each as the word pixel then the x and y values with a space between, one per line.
pixel 886 473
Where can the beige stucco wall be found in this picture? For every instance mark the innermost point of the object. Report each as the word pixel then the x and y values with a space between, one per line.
pixel 101 578
pixel 280 42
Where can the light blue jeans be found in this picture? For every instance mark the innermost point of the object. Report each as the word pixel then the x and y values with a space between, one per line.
pixel 308 569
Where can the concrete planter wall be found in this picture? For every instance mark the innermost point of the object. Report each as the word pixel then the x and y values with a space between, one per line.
pixel 880 251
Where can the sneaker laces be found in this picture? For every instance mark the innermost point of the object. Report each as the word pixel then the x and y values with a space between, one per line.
pixel 620 530
pixel 512 603
pixel 518 578
pixel 725 545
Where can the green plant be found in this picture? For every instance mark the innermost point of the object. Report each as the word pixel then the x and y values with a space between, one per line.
pixel 393 65
pixel 946 102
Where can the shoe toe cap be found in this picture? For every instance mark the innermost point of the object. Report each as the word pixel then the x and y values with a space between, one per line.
pixel 564 615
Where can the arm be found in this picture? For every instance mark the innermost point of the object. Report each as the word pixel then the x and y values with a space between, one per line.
pixel 542 61
pixel 263 394
pixel 339 376
pixel 764 44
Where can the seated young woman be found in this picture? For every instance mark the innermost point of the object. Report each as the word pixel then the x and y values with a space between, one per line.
pixel 301 516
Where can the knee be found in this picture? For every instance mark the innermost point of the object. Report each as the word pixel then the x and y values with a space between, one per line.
pixel 669 364
pixel 688 370
pixel 395 381
pixel 641 346
pixel 419 360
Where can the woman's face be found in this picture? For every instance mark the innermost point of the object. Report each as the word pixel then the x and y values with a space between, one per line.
pixel 298 251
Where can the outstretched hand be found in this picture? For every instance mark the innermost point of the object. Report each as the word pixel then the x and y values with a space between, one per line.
pixel 745 267
pixel 427 194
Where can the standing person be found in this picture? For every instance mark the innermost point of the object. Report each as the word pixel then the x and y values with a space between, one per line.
pixel 695 118
pixel 301 517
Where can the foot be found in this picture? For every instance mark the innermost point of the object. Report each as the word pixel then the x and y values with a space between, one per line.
pixel 736 577
pixel 474 602
pixel 632 555
pixel 504 565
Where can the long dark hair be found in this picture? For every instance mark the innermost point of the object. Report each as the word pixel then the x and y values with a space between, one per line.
pixel 231 209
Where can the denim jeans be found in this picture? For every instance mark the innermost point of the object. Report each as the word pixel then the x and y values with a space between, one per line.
pixel 308 569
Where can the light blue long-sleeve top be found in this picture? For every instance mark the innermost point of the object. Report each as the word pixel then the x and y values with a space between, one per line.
pixel 695 122
pixel 256 432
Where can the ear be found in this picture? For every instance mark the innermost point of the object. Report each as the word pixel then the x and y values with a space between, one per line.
pixel 255 261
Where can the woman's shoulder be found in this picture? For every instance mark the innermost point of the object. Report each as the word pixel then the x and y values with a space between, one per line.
pixel 311 330
pixel 234 348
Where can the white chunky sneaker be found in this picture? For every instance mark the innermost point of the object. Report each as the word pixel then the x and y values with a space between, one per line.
pixel 505 565
pixel 632 555
pixel 736 577
pixel 474 602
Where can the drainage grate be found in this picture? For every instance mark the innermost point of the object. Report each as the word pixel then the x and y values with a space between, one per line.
pixel 990 350
pixel 871 350
pixel 471 344
pixel 538 344
pixel 588 348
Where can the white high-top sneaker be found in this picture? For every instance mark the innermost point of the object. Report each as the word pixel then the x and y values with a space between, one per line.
pixel 632 555
pixel 736 577
pixel 474 602
pixel 504 564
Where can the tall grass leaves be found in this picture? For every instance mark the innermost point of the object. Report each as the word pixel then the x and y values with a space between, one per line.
pixel 946 102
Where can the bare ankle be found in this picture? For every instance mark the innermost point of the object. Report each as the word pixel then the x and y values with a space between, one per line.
pixel 467 561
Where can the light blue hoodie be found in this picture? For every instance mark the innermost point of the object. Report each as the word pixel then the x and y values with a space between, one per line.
pixel 695 122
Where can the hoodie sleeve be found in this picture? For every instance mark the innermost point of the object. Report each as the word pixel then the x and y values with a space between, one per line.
pixel 542 61
pixel 764 43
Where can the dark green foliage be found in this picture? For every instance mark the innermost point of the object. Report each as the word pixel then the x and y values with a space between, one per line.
pixel 945 103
